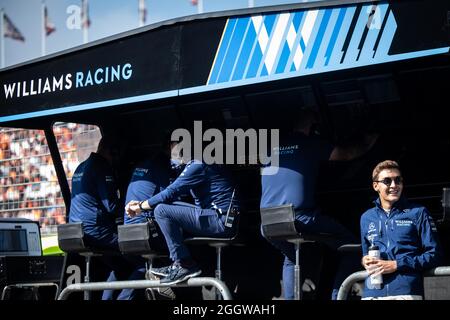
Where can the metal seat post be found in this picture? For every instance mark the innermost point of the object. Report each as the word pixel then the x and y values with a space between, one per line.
pixel 297 273
pixel 217 243
pixel 87 294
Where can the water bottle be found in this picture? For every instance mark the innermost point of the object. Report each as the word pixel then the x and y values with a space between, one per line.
pixel 375 281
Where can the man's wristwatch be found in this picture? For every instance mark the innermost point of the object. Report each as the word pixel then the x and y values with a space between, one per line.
pixel 140 205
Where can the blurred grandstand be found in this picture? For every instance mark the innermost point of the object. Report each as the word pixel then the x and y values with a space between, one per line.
pixel 29 187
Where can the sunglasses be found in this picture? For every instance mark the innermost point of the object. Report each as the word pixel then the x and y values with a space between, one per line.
pixel 388 181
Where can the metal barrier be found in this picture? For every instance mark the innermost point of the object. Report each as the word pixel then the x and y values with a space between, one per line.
pixel 362 275
pixel 144 284
pixel 33 286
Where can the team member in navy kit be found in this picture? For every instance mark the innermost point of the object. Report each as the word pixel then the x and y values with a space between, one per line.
pixel 212 189
pixel 95 203
pixel 405 234
pixel 295 183
pixel 150 176
pixel 95 198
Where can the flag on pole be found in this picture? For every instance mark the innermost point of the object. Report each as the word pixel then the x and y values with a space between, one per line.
pixel 198 4
pixel 49 26
pixel 142 13
pixel 85 21
pixel 10 30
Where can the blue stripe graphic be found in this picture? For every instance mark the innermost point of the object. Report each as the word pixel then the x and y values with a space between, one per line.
pixel 387 37
pixel 269 22
pixel 257 55
pixel 222 50
pixel 254 46
pixel 337 52
pixel 302 44
pixel 282 44
pixel 254 64
pixel 367 51
pixel 233 49
pixel 320 60
pixel 319 38
pixel 312 39
pixel 334 35
pixel 249 41
pixel 292 67
pixel 297 19
pixel 298 41
pixel 361 25
pixel 240 57
pixel 283 58
pixel 262 70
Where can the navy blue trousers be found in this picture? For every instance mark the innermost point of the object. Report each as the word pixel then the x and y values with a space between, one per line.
pixel 177 220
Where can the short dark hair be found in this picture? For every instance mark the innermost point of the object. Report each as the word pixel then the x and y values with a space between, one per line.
pixel 384 165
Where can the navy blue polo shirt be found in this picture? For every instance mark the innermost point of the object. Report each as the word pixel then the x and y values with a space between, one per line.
pixel 149 178
pixel 95 200
pixel 296 179
pixel 210 185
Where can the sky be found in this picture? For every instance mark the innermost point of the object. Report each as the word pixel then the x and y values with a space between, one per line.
pixel 108 17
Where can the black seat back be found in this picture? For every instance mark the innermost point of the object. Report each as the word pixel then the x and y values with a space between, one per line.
pixel 71 237
pixel 135 238
pixel 279 222
pixel 445 205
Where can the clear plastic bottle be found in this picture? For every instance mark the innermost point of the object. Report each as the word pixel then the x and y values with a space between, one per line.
pixel 376 281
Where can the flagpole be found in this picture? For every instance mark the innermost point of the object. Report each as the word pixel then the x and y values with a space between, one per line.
pixel 251 3
pixel 2 38
pixel 43 47
pixel 200 6
pixel 85 22
pixel 141 12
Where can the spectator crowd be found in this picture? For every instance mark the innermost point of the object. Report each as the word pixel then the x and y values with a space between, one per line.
pixel 29 186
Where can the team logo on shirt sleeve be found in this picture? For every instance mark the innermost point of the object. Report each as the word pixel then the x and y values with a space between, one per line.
pixel 140 172
pixel 77 177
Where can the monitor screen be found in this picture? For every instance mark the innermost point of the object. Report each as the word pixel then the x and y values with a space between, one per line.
pixel 13 240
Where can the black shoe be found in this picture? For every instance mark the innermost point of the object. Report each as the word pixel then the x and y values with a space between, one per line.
pixel 179 273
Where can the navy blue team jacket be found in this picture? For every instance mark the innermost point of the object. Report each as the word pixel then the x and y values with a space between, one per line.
pixel 211 186
pixel 149 178
pixel 408 235
pixel 295 182
pixel 95 200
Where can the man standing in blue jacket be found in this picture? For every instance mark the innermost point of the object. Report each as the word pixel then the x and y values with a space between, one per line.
pixel 405 235
pixel 212 189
